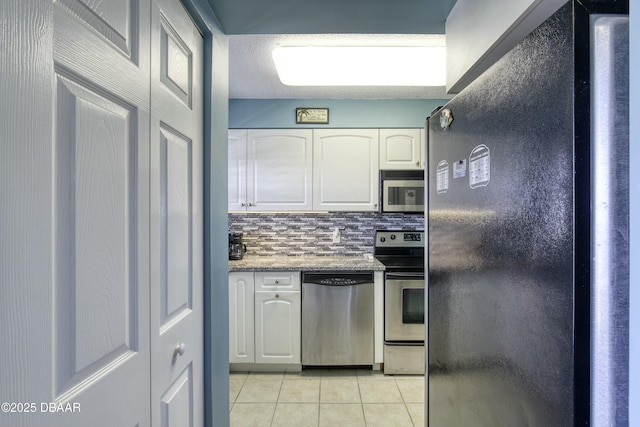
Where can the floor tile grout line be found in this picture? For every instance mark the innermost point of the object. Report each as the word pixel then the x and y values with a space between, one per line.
pixel 404 401
pixel 273 416
pixel 364 416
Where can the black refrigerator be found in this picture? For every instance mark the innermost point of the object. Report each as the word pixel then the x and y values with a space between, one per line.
pixel 528 262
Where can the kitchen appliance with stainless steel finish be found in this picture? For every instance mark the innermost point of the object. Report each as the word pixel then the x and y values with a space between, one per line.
pixel 337 318
pixel 236 247
pixel 528 281
pixel 402 190
pixel 402 253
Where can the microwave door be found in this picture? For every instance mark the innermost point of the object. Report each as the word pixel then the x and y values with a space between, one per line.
pixel 403 196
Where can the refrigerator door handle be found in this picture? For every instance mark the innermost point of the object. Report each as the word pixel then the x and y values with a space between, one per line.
pixel 609 219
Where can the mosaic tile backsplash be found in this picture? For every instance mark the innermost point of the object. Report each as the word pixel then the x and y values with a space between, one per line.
pixel 312 233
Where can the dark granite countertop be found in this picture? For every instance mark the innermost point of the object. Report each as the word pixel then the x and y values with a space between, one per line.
pixel 306 263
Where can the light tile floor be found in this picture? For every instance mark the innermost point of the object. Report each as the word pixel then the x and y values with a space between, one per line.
pixel 326 397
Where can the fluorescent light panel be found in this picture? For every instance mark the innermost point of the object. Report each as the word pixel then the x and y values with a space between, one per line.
pixel 360 66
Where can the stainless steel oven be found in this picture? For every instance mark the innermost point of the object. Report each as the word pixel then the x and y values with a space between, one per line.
pixel 402 191
pixel 404 307
pixel 402 253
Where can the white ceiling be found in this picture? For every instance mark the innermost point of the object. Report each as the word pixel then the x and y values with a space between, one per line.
pixel 256 26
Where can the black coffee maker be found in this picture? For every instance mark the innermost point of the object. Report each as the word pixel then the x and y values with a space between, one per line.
pixel 236 247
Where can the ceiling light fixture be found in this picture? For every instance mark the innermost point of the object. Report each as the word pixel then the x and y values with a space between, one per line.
pixel 360 66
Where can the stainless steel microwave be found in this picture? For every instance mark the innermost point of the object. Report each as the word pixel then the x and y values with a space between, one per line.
pixel 402 191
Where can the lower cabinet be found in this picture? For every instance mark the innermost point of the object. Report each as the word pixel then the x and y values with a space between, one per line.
pixel 241 318
pixel 264 317
pixel 277 327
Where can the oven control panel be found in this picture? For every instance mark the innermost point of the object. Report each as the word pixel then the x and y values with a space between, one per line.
pixel 399 238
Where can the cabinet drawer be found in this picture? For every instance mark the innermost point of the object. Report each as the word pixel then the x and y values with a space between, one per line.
pixel 278 280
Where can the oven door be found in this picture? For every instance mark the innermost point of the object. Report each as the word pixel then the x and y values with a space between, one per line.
pixel 404 308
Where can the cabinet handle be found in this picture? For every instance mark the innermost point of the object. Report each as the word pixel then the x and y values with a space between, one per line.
pixel 277 295
pixel 418 163
pixel 251 204
pixel 277 281
pixel 242 204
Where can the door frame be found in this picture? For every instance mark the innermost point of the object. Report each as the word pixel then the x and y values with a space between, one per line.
pixel 215 215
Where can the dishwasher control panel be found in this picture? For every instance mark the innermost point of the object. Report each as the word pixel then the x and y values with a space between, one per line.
pixel 337 281
pixel 337 278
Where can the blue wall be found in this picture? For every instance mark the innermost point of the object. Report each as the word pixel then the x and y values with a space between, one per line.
pixel 634 215
pixel 343 113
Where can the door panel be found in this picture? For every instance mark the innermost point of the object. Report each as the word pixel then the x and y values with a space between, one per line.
pixel 100 354
pixel 177 223
pixel 114 20
pixel 176 62
pixel 95 253
pixel 176 402
pixel 176 218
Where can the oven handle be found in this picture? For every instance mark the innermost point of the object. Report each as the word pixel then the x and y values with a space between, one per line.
pixel 404 276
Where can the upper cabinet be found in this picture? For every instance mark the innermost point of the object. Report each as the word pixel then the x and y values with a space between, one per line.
pixel 237 170
pixel 270 169
pixel 345 169
pixel 401 149
pixel 316 169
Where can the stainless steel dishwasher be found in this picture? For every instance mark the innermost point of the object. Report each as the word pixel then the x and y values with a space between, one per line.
pixel 337 318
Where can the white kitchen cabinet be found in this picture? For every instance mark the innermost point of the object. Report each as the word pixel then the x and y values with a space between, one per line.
pixel 401 149
pixel 345 169
pixel 241 317
pixel 237 169
pixel 270 169
pixel 265 317
pixel 277 327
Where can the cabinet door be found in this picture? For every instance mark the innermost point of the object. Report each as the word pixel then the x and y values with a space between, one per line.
pixel 237 175
pixel 279 170
pixel 241 318
pixel 400 149
pixel 277 327
pixel 345 169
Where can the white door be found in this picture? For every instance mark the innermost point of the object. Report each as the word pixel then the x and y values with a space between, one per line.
pixel 345 169
pixel 237 172
pixel 75 241
pixel 100 342
pixel 279 169
pixel 75 200
pixel 176 218
pixel 278 326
